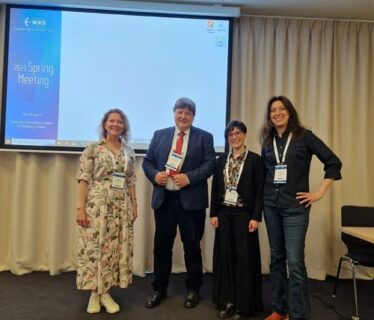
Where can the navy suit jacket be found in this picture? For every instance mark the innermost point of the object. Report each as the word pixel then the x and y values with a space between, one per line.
pixel 198 164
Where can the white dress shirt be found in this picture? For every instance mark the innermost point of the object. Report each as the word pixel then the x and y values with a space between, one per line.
pixel 170 185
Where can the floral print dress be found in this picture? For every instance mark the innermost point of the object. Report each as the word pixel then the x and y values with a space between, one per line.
pixel 105 247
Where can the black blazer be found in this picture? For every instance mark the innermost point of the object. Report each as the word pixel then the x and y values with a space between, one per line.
pixel 250 186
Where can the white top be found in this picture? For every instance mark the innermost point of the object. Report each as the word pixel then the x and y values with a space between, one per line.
pixel 170 185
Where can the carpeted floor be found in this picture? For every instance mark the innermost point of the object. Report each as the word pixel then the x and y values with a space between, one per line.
pixel 39 296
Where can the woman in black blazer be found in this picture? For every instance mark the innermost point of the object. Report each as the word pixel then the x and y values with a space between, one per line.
pixel 235 212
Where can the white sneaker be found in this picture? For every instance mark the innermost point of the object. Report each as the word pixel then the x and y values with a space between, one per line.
pixel 94 303
pixel 110 305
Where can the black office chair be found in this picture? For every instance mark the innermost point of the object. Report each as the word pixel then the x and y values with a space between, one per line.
pixel 360 252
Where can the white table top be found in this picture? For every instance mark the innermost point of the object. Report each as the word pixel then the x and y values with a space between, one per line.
pixel 364 233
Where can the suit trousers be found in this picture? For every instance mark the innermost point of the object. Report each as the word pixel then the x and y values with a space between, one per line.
pixel 191 224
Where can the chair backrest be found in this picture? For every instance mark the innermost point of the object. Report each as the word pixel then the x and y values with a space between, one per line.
pixel 356 216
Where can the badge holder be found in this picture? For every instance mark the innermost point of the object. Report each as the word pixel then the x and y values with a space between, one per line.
pixel 174 161
pixel 280 174
pixel 231 196
pixel 118 181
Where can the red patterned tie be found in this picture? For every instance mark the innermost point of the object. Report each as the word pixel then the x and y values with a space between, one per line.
pixel 178 150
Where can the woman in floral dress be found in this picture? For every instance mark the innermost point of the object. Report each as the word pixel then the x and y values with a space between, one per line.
pixel 106 212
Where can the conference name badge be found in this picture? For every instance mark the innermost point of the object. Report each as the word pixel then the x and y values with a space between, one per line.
pixel 280 174
pixel 118 181
pixel 174 161
pixel 231 196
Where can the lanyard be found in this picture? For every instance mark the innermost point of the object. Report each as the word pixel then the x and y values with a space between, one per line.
pixel 285 149
pixel 115 168
pixel 240 170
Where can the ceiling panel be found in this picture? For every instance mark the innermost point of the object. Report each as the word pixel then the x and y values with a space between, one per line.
pixel 343 9
pixel 335 9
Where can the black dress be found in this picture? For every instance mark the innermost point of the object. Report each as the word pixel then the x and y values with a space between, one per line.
pixel 236 257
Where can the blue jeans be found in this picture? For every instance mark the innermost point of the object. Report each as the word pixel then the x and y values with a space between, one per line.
pixel 287 229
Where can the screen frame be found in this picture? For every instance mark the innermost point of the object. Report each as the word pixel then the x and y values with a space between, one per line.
pixel 68 149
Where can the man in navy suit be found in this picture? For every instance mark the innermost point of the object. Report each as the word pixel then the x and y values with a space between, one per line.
pixel 178 163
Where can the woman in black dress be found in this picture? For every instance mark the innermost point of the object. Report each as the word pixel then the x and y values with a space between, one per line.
pixel 235 211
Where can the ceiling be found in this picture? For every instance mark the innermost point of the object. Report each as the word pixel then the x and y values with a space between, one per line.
pixel 337 9
pixel 334 9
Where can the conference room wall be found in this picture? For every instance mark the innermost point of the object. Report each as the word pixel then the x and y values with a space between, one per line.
pixel 324 70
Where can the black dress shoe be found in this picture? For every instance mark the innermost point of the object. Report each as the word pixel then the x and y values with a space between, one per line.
pixel 154 299
pixel 192 299
pixel 227 311
pixel 240 316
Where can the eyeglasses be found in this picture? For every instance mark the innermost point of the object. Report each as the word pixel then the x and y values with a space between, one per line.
pixel 235 134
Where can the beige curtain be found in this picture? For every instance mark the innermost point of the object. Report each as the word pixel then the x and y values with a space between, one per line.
pixel 37 218
pixel 325 67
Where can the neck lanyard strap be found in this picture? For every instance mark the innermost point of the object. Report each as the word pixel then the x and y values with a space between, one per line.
pixel 285 149
pixel 240 170
pixel 115 167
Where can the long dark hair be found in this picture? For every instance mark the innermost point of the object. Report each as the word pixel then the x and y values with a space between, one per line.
pixel 126 126
pixel 294 125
